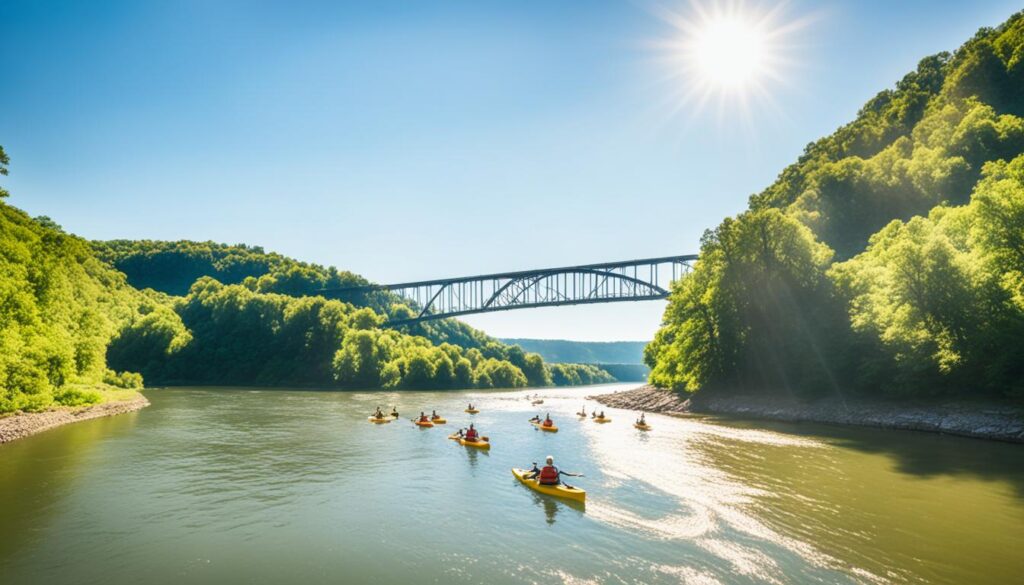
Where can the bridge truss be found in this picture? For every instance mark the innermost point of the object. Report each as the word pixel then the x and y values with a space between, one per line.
pixel 629 280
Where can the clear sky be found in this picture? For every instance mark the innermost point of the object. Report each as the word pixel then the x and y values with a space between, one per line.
pixel 413 140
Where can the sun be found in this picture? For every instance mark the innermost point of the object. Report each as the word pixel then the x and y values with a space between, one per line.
pixel 727 53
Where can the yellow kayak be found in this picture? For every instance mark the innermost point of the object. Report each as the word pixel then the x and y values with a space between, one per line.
pixel 602 420
pixel 471 410
pixel 642 427
pixel 424 424
pixel 559 491
pixel 439 421
pixel 551 429
pixel 475 444
pixel 378 421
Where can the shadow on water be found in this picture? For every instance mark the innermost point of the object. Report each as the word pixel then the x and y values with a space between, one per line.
pixel 919 453
pixel 552 506
pixel 474 454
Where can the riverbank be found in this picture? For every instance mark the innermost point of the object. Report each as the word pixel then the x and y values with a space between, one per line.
pixel 993 421
pixel 21 425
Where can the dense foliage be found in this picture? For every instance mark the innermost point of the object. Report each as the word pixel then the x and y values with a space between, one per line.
pixel 230 334
pixel 577 374
pixel 59 308
pixel 887 259
pixel 172 268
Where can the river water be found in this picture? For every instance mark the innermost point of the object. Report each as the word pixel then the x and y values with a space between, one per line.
pixel 228 486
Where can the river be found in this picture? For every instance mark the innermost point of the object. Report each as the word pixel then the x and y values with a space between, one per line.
pixel 226 486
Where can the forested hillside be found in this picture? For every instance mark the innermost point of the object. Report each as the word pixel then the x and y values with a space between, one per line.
pixel 889 259
pixel 59 309
pixel 172 268
pixel 265 324
pixel 230 334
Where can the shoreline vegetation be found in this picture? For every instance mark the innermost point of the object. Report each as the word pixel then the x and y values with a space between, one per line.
pixel 18 425
pixel 886 262
pixel 991 420
pixel 78 316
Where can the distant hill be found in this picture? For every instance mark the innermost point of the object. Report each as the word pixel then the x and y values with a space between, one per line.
pixel 584 352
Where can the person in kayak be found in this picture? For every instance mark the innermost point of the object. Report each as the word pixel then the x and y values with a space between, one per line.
pixel 394 412
pixel 471 435
pixel 535 419
pixel 433 415
pixel 548 422
pixel 424 417
pixel 601 415
pixel 379 414
pixel 549 474
pixel 470 407
pixel 641 421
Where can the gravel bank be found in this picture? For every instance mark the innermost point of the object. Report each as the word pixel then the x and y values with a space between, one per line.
pixel 29 423
pixel 993 421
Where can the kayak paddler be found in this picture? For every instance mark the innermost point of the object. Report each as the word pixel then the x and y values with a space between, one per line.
pixel 379 414
pixel 424 417
pixel 548 422
pixel 641 421
pixel 433 415
pixel 549 474
pixel 471 435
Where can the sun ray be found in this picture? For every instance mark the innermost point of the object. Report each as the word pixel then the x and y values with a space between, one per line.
pixel 726 57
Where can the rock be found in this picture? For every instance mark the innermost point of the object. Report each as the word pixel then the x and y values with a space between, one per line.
pixel 995 421
pixel 22 425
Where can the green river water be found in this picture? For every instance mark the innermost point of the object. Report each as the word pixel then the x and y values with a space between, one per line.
pixel 227 486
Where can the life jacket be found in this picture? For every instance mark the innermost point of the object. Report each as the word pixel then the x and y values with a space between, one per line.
pixel 424 419
pixel 549 422
pixel 471 435
pixel 548 475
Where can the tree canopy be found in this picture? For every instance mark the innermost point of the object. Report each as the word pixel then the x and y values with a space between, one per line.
pixel 886 260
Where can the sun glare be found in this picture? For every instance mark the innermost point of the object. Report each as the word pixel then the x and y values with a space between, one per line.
pixel 727 53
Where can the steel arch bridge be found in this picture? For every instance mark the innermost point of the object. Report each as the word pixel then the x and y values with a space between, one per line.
pixel 629 280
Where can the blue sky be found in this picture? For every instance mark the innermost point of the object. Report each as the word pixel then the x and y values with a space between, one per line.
pixel 412 140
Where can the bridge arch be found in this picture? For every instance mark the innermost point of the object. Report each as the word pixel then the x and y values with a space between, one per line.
pixel 628 280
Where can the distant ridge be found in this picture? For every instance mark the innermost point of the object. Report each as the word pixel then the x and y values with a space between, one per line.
pixel 584 352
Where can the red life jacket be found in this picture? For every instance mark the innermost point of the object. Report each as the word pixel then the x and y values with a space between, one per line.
pixel 549 422
pixel 424 419
pixel 471 435
pixel 548 475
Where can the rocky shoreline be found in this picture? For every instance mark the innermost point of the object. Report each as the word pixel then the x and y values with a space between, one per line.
pixel 22 425
pixel 993 421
